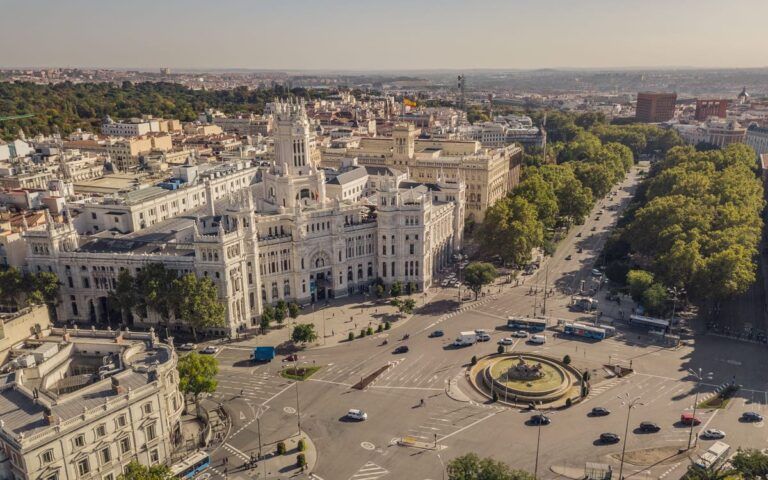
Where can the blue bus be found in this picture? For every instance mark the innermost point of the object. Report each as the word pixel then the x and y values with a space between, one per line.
pixel 585 331
pixel 529 324
pixel 191 466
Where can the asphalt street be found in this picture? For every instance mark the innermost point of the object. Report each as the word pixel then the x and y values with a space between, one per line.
pixel 264 407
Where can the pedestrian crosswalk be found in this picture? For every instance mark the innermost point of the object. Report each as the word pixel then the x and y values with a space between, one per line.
pixel 259 386
pixel 445 421
pixel 369 471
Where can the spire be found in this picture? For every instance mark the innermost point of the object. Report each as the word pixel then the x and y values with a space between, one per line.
pixel 48 220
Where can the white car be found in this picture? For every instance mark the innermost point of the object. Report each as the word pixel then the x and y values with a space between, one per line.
pixel 712 433
pixel 356 414
pixel 538 339
pixel 483 337
pixel 596 272
pixel 187 347
pixel 520 334
pixel 507 341
pixel 210 350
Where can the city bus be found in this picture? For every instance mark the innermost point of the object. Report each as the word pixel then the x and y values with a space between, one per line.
pixel 529 324
pixel 716 454
pixel 585 331
pixel 649 322
pixel 585 304
pixel 191 466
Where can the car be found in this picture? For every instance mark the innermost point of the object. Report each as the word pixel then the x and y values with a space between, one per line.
pixel 596 272
pixel 401 349
pixel 483 337
pixel 649 427
pixel 600 412
pixel 291 358
pixel 752 417
pixel 506 341
pixel 580 250
pixel 609 438
pixel 186 347
pixel 688 419
pixel 356 414
pixel 568 257
pixel 540 419
pixel 712 434
pixel 578 235
pixel 210 350
pixel 436 333
pixel 520 334
pixel 593 229
pixel 538 339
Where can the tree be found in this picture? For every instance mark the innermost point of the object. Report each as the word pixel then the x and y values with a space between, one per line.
pixel 638 281
pixel 293 310
pixel 281 310
pixel 696 472
pixel 10 286
pixel 750 463
pixel 540 193
pixel 405 306
pixel 655 298
pixel 479 274
pixel 123 296
pixel 511 229
pixel 197 374
pixel 152 291
pixel 472 467
pixel 396 289
pixel 267 316
pixel 379 291
pixel 137 471
pixel 196 302
pixel 304 333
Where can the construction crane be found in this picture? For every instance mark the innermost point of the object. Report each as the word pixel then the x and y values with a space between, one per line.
pixel 16 117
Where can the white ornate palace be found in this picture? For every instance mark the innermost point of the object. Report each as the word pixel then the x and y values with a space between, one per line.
pixel 283 237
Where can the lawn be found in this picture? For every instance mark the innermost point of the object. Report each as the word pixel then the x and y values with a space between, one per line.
pixel 299 373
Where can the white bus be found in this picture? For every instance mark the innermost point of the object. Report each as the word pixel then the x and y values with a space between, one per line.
pixel 714 456
pixel 191 466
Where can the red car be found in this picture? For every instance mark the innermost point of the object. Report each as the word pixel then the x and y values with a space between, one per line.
pixel 688 419
pixel 291 358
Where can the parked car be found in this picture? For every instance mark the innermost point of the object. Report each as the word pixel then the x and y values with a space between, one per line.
pixel 540 419
pixel 186 347
pixel 506 341
pixel 600 412
pixel 752 417
pixel 436 333
pixel 520 334
pixel 356 414
pixel 210 350
pixel 596 272
pixel 712 434
pixel 649 427
pixel 609 438
pixel 401 349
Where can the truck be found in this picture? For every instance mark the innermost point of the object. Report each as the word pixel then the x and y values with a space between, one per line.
pixel 465 338
pixel 263 354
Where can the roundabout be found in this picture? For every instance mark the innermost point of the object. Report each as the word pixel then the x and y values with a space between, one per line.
pixel 526 378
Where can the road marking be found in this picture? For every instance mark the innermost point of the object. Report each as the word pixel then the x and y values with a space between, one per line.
pixel 469 426
pixel 409 388
pixel 368 446
pixel 276 395
pixel 369 471
pixel 289 410
pixel 236 451
pixel 242 415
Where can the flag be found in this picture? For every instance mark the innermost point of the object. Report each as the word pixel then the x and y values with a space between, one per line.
pixel 408 102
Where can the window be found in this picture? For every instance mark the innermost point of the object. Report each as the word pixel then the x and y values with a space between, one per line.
pixel 125 445
pixel 46 457
pixel 151 432
pixel 121 421
pixel 83 468
pixel 108 476
pixel 147 408
pixel 79 440
pixel 101 430
pixel 93 215
pixel 105 455
pixel 154 456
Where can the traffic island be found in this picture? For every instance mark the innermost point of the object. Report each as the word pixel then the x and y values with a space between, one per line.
pixel 283 459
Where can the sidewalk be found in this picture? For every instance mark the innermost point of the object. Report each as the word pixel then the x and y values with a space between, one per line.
pixel 273 465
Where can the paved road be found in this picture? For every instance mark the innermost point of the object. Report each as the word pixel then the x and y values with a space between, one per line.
pixel 365 450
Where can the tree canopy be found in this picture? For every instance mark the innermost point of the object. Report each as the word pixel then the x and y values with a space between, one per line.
pixel 137 471
pixel 304 333
pixel 472 467
pixel 197 374
pixel 479 274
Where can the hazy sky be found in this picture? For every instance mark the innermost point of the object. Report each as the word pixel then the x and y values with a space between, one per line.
pixel 383 34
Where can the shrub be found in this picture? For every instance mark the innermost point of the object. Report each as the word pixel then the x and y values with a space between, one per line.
pixel 586 376
pixel 567 359
pixel 301 460
pixel 495 396
pixel 281 448
pixel 568 402
pixel 351 336
pixel 369 331
pixel 301 445
pixel 500 349
pixel 474 360
pixel 380 328
pixel 387 326
pixel 362 333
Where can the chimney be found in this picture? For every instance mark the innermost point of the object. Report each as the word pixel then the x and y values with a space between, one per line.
pixel 50 418
pixel 116 387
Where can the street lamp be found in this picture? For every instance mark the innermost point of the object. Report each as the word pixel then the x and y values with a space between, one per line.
pixel 675 292
pixel 540 415
pixel 630 403
pixel 298 409
pixel 699 377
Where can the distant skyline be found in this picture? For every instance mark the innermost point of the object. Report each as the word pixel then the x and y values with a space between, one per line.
pixel 359 35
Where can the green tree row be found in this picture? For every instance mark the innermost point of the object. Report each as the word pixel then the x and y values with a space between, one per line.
pixel 19 289
pixel 699 223
pixel 65 107
pixel 187 299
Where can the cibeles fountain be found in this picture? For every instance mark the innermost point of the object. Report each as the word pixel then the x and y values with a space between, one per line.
pixel 521 379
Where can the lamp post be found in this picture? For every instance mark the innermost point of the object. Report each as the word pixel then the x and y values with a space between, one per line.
pixel 298 409
pixel 630 403
pixel 540 415
pixel 699 377
pixel 675 292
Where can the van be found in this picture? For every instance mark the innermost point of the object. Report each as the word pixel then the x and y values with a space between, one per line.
pixel 538 339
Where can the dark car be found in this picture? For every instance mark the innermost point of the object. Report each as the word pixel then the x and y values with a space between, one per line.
pixel 600 412
pixel 401 349
pixel 568 257
pixel 752 417
pixel 539 419
pixel 609 438
pixel 437 333
pixel 649 427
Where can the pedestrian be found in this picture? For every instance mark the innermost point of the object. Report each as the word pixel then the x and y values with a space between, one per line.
pixel 332 332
